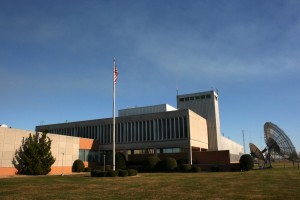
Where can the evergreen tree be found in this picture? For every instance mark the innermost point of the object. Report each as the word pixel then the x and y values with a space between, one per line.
pixel 34 156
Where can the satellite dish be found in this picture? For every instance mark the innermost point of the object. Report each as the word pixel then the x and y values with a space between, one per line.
pixel 255 152
pixel 278 141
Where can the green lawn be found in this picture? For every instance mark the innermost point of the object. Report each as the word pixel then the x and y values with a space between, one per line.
pixel 276 183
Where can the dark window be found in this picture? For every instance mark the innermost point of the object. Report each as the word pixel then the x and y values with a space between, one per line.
pixel 118 133
pixel 148 130
pixel 122 133
pixel 203 97
pixel 152 130
pixel 168 129
pixel 197 97
pixel 181 99
pixel 172 128
pixel 207 96
pixel 181 127
pixel 192 98
pixel 144 131
pixel 186 98
pixel 185 127
pixel 140 131
pixel 177 127
pixel 159 130
pixel 125 133
pixel 109 131
pixel 164 133
pixel 136 131
pixel 129 132
pixel 105 134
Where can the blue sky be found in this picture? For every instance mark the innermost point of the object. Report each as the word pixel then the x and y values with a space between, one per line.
pixel 56 60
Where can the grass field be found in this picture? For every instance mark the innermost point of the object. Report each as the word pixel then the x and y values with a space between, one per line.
pixel 276 183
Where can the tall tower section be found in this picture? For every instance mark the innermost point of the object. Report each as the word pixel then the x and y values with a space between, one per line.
pixel 206 105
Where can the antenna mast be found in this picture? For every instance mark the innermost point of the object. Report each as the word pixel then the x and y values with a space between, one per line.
pixel 177 87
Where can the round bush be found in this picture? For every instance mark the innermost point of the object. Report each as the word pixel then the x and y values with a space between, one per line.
pixel 185 168
pixel 168 164
pixel 181 162
pixel 150 164
pixel 132 172
pixel 123 173
pixel 196 168
pixel 120 161
pixel 98 173
pixel 246 162
pixel 215 168
pixel 112 173
pixel 78 166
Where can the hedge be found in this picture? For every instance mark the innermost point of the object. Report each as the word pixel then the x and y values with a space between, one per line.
pixel 132 172
pixel 98 173
pixel 185 168
pixel 196 168
pixel 150 164
pixel 112 173
pixel 168 164
pixel 123 173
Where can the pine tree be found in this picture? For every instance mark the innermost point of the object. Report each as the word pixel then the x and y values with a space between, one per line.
pixel 34 156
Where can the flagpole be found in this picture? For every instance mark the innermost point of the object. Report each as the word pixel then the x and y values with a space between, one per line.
pixel 114 118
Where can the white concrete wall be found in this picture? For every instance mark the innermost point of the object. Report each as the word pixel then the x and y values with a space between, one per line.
pixel 198 131
pixel 227 144
pixel 11 140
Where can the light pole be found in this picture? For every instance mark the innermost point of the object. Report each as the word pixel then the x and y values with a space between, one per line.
pixel 62 166
pixel 104 163
pixel 244 141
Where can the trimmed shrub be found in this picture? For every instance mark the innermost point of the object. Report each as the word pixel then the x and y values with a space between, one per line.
pixel 98 173
pixel 215 169
pixel 181 162
pixel 87 169
pixel 196 168
pixel 78 166
pixel 150 164
pixel 185 168
pixel 132 172
pixel 137 165
pixel 246 162
pixel 123 173
pixel 120 161
pixel 112 173
pixel 168 164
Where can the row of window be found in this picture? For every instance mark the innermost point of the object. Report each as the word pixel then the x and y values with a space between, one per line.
pixel 98 156
pixel 207 96
pixel 137 131
pixel 158 151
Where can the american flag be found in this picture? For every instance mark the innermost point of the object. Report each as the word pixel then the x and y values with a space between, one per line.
pixel 115 74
